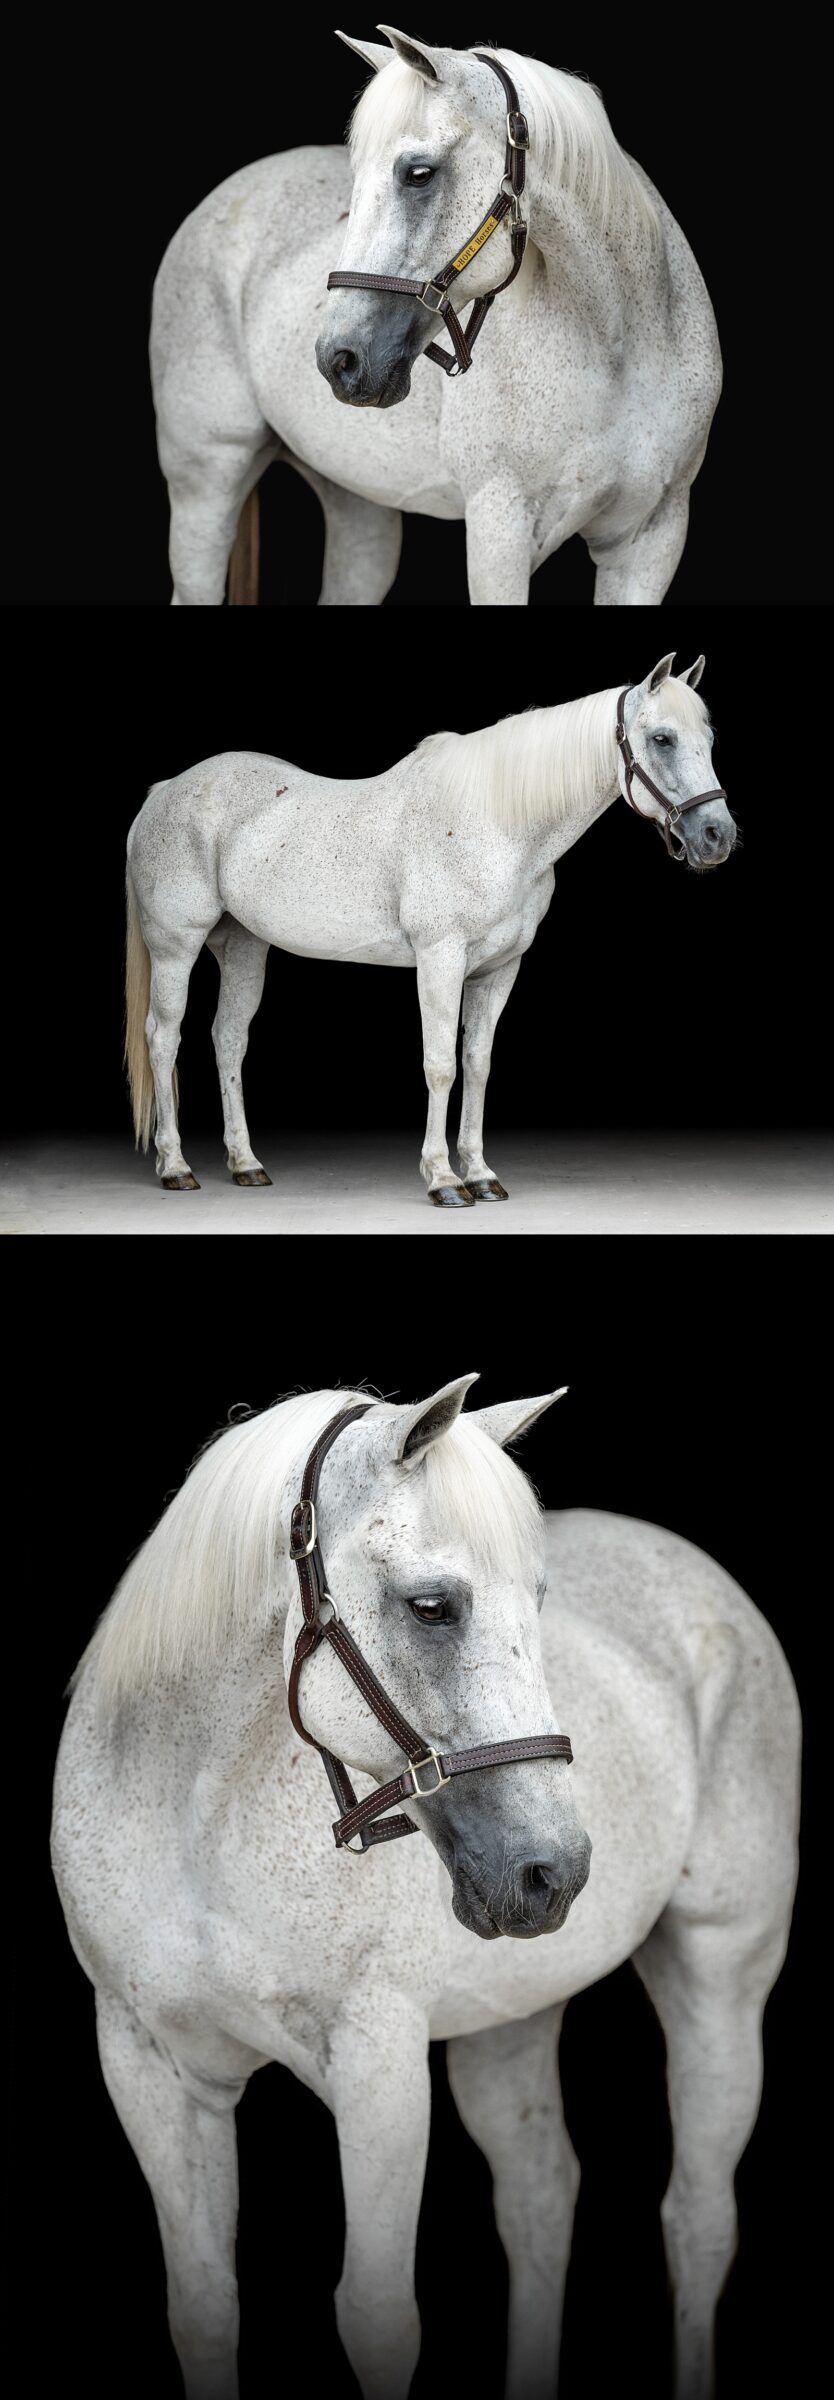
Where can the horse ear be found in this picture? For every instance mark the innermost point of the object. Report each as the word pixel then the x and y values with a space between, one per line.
pixel 659 673
pixel 410 1431
pixel 692 675
pixel 373 52
pixel 425 62
pixel 511 1418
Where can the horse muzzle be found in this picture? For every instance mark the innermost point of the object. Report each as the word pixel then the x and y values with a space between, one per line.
pixel 362 375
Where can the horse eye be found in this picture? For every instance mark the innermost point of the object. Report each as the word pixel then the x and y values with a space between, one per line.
pixel 662 737
pixel 419 174
pixel 430 1612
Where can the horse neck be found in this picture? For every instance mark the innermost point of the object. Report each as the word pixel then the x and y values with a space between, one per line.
pixel 592 278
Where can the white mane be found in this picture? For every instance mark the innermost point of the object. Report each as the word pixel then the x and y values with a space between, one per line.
pixel 572 140
pixel 214 1569
pixel 542 766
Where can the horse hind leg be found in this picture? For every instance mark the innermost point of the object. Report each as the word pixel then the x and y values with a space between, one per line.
pixel 172 959
pixel 505 2082
pixel 362 543
pixel 187 2151
pixel 242 961
pixel 708 1983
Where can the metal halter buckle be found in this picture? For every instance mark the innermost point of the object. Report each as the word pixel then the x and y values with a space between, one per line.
pixel 506 185
pixel 434 305
pixel 306 1511
pixel 331 1620
pixel 431 1760
pixel 514 115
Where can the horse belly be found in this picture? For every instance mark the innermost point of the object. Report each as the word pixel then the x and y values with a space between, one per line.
pixel 312 887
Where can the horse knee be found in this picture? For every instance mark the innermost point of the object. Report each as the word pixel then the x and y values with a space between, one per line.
pixel 439 1073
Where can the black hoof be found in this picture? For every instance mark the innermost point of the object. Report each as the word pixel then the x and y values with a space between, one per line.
pixel 451 1195
pixel 180 1183
pixel 254 1175
pixel 489 1190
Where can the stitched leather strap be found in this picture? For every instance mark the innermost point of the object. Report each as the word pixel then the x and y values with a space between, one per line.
pixel 457 1762
pixel 362 1819
pixel 674 808
pixel 463 337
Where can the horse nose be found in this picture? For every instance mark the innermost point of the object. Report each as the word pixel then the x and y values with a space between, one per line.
pixel 552 1877
pixel 712 837
pixel 343 369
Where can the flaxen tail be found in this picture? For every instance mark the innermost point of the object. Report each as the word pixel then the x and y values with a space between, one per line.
pixel 137 997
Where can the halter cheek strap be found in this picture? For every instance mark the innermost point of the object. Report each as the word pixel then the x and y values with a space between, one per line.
pixel 361 1821
pixel 435 294
pixel 673 809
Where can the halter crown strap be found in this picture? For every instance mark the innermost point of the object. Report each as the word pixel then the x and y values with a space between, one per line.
pixel 673 808
pixel 429 1770
pixel 464 337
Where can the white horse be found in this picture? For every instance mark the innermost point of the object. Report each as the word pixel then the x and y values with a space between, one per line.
pixel 590 397
pixel 221 1929
pixel 443 863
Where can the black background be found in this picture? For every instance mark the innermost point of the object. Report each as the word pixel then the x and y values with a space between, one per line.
pixel 686 1405
pixel 183 108
pixel 650 995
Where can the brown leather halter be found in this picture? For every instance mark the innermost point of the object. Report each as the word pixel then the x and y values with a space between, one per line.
pixel 363 1818
pixel 464 337
pixel 674 808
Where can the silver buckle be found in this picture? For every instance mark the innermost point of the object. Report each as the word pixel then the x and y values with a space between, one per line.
pixel 517 218
pixel 431 1760
pixel 311 1544
pixel 435 306
pixel 334 1620
pixel 525 145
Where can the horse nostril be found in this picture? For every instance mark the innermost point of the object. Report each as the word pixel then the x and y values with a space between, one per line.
pixel 712 836
pixel 344 364
pixel 540 1877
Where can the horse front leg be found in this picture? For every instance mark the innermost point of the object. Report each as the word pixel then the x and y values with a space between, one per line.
pixel 439 984
pixel 637 573
pixel 499 528
pixel 483 999
pixel 188 2154
pixel 378 2084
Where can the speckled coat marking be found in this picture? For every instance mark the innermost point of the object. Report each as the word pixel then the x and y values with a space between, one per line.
pixel 587 410
pixel 205 1900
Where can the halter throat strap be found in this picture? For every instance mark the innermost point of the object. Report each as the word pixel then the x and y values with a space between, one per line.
pixel 673 808
pixel 435 294
pixel 364 1822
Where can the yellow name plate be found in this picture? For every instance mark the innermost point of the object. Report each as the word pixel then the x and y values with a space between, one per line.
pixel 476 243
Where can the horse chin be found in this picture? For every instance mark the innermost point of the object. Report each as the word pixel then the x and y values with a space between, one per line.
pixel 470 1911
pixel 397 387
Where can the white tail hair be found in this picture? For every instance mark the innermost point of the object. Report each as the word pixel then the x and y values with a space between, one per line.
pixel 137 997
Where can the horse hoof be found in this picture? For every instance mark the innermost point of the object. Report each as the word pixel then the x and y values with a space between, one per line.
pixel 180 1183
pixel 451 1195
pixel 489 1190
pixel 254 1175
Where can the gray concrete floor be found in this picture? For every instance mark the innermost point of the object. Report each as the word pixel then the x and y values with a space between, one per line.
pixel 573 1183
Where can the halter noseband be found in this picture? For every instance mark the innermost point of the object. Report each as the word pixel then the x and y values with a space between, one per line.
pixel 363 1818
pixel 435 293
pixel 673 808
